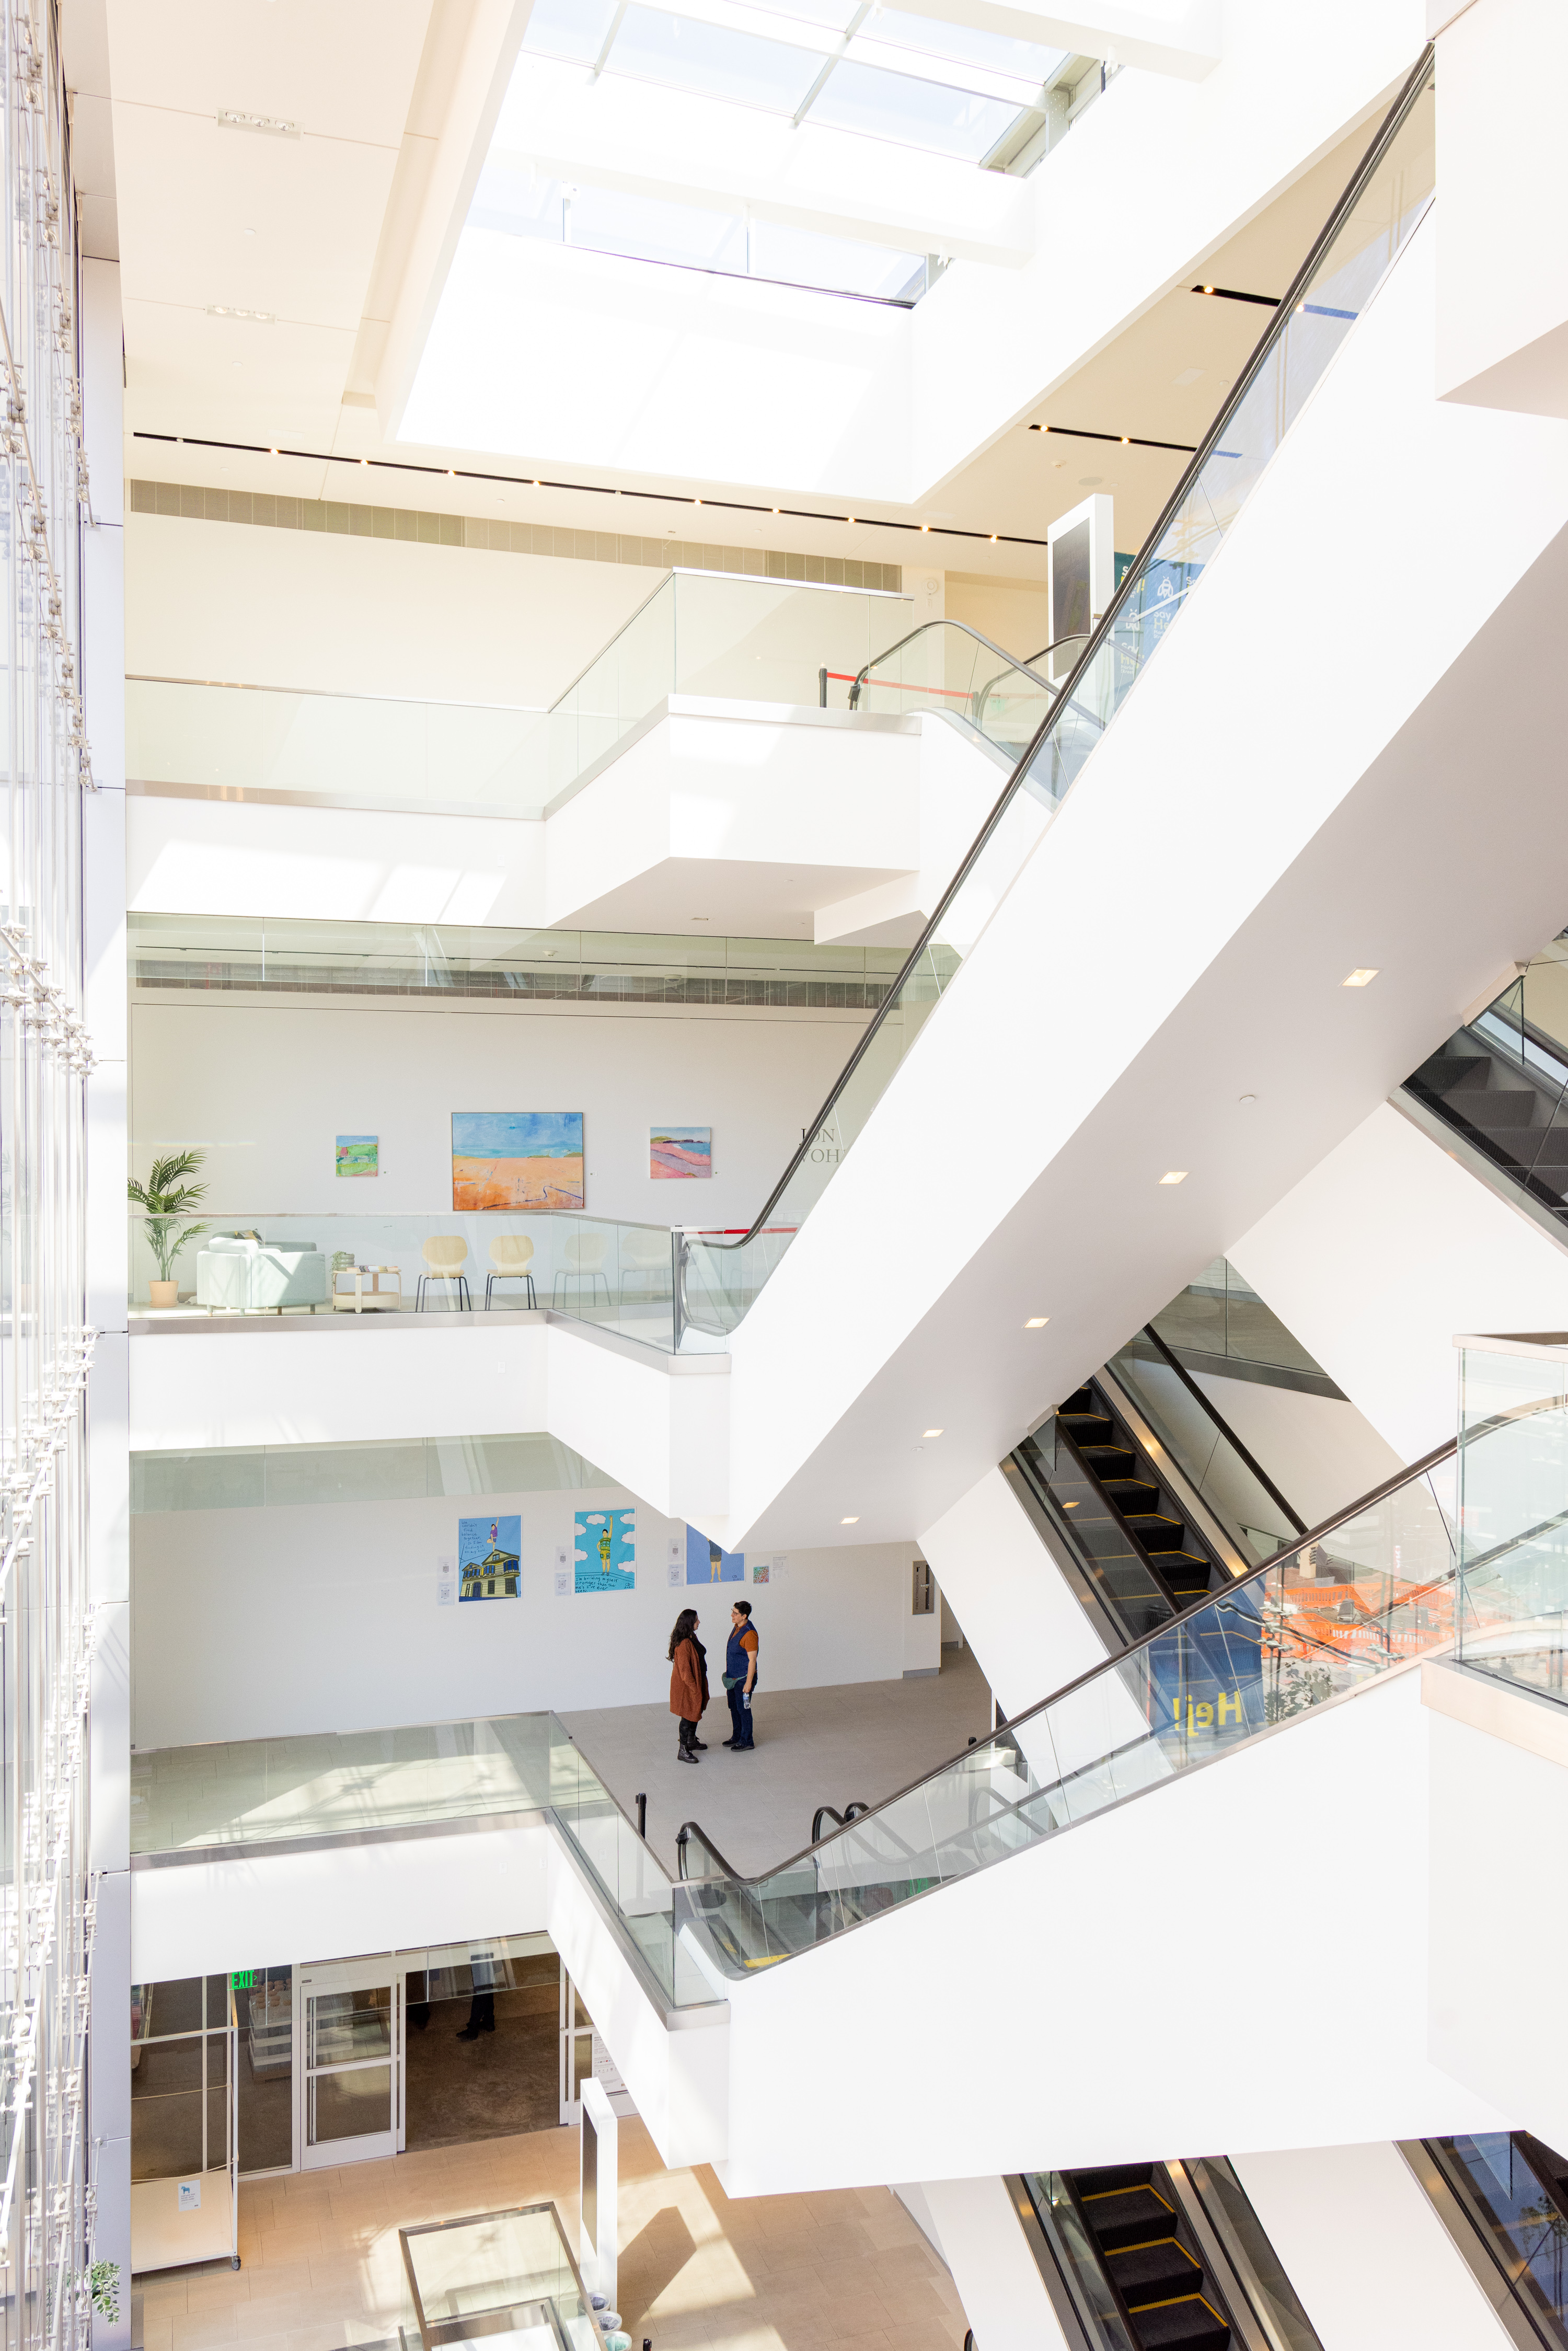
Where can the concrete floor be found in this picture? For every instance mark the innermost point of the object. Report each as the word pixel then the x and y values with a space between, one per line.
pixel 865 1740
pixel 321 2266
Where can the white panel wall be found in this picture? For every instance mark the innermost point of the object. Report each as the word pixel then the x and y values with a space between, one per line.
pixel 983 2244
pixel 341 615
pixel 1321 1453
pixel 1365 2251
pixel 1385 1251
pixel 1031 1634
pixel 1502 313
pixel 265 1089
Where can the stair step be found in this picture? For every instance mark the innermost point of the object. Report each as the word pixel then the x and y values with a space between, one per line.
pixel 1102 2179
pixel 1186 2326
pixel 1444 1071
pixel 1156 1530
pixel 1081 1400
pixel 1154 2272
pixel 1496 1113
pixel 1126 2216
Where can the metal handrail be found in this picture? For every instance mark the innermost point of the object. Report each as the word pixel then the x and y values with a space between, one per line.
pixel 1102 632
pixel 1000 651
pixel 1320 1533
pixel 1191 1385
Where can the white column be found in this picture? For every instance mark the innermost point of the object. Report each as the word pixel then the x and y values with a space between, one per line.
pixel 597 2249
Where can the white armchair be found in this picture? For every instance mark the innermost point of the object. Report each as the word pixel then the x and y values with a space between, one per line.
pixel 235 1276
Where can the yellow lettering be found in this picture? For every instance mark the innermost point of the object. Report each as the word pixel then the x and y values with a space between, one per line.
pixel 1225 1702
pixel 1189 1718
pixel 1206 1717
pixel 1175 1711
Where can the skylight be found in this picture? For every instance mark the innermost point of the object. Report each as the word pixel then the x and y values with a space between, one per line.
pixel 841 64
pixel 691 237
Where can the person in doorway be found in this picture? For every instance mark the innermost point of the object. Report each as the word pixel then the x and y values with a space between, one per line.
pixel 740 1677
pixel 481 2007
pixel 688 1682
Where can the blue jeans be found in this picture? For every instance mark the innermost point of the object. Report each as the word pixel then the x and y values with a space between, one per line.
pixel 740 1717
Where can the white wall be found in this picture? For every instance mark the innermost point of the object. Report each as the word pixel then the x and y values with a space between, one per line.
pixel 1381 1256
pixel 1502 311
pixel 240 603
pixel 1029 1633
pixel 265 1088
pixel 264 1623
pixel 1365 2251
pixel 982 2241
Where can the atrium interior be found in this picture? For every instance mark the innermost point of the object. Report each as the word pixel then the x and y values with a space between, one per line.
pixel 793 765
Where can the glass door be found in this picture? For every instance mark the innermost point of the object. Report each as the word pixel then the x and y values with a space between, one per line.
pixel 350 2031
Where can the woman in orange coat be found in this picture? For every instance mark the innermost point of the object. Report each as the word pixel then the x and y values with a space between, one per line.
pixel 688 1682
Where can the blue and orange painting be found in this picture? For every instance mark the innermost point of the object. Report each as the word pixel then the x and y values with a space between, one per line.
pixel 708 1562
pixel 516 1159
pixel 679 1151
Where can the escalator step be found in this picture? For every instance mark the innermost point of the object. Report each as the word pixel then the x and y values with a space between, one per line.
pixel 1496 1113
pixel 1154 2272
pixel 1187 2325
pixel 1156 1530
pixel 1103 2178
pixel 1081 1400
pixel 1127 2216
pixel 1108 1461
pixel 1444 1071
pixel 1131 1496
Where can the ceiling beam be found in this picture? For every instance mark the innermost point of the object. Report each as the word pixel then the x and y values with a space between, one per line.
pixel 1181 38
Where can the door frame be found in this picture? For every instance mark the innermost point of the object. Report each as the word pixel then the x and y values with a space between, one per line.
pixel 347 1975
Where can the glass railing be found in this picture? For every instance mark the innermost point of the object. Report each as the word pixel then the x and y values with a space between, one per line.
pixel 505 2278
pixel 721 635
pixel 949 668
pixel 1514 1494
pixel 617 1275
pixel 1363 1595
pixel 1501 1079
pixel 1220 1320
pixel 246 1793
pixel 1372 224
pixel 1513 2190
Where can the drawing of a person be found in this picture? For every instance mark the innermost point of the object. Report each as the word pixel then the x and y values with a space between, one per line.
pixel 604 1548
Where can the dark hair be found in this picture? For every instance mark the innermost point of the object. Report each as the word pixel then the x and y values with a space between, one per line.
pixel 743 1605
pixel 686 1626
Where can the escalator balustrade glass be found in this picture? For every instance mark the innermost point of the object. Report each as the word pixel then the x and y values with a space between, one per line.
pixel 1363 1594
pixel 1513 2190
pixel 1513 1499
pixel 1502 1081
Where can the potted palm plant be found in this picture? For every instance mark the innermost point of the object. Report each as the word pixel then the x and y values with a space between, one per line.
pixel 167 1198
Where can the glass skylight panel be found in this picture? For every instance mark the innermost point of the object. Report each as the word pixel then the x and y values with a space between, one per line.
pixel 710 58
pixel 803 256
pixel 917 113
pixel 603 220
pixel 831 15
pixel 569 28
pixel 965 45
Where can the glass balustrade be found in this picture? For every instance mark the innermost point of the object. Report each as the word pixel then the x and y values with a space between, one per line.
pixel 1219 1470
pixel 496 2279
pixel 1513 1497
pixel 721 636
pixel 948 669
pixel 1354 1602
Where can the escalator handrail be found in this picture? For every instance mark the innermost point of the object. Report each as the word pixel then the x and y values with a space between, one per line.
pixel 1320 1533
pixel 1000 651
pixel 1105 627
pixel 1191 1385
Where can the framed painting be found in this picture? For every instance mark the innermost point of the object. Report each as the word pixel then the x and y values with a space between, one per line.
pixel 490 1558
pixel 516 1159
pixel 358 1154
pixel 708 1563
pixel 605 1551
pixel 674 1152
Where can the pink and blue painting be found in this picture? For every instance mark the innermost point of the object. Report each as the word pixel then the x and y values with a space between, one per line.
pixel 708 1562
pixel 674 1152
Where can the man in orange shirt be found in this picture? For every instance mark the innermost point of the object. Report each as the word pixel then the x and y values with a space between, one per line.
pixel 740 1677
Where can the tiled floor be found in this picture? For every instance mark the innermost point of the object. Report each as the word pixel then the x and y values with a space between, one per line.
pixel 865 1740
pixel 321 2266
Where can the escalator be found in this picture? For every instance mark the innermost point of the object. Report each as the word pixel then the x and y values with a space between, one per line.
pixel 1153 1498
pixel 1158 2257
pixel 1501 1083
pixel 1503 2198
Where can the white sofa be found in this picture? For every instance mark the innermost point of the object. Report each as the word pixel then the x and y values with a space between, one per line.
pixel 237 1275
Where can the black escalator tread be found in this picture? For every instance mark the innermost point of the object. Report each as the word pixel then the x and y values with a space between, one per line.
pixel 1102 2179
pixel 1120 2217
pixel 1156 2273
pixel 1444 1071
pixel 1157 1530
pixel 1190 2324
pixel 1501 1113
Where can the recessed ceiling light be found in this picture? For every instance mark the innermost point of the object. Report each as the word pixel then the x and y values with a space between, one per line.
pixel 1362 976
pixel 275 126
pixel 231 310
pixel 931 1432
pixel 851 1522
pixel 1174 1176
pixel 1037 1323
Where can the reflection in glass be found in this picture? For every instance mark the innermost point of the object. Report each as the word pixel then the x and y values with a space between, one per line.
pixel 351 2105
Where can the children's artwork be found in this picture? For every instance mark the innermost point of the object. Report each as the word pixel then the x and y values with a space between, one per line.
pixel 760 1571
pixel 676 1151
pixel 490 1558
pixel 358 1155
pixel 707 1564
pixel 516 1159
pixel 606 1550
